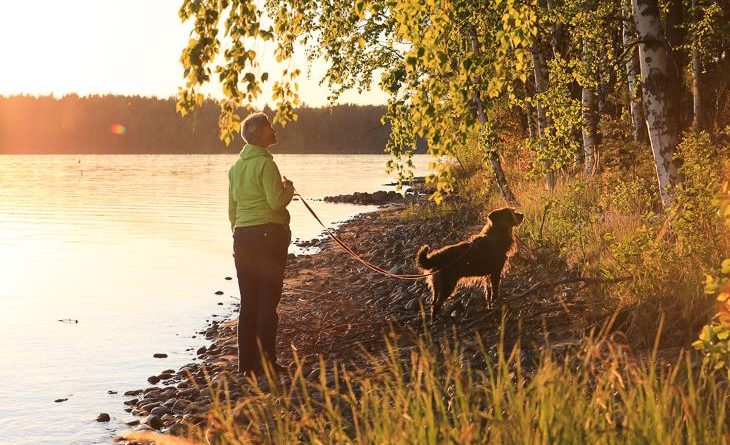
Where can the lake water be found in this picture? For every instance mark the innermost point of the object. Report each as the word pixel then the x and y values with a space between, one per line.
pixel 134 248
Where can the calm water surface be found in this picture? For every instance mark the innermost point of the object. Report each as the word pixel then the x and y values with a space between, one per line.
pixel 133 247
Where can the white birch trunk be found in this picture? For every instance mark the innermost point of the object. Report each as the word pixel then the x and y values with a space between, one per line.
pixel 589 114
pixel 541 85
pixel 589 131
pixel 632 71
pixel 697 121
pixel 656 64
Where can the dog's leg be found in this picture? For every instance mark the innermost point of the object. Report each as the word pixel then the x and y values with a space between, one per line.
pixel 494 279
pixel 488 297
pixel 443 286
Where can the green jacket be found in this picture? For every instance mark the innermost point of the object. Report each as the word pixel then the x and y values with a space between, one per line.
pixel 256 194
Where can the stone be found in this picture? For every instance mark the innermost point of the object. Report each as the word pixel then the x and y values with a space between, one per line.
pixel 180 405
pixel 177 429
pixel 60 400
pixel 189 394
pixel 133 393
pixel 103 417
pixel 152 421
pixel 111 392
pixel 160 411
pixel 153 379
pixel 134 422
pixel 192 408
pixel 228 278
pixel 159 355
pixel 148 407
pixel 219 292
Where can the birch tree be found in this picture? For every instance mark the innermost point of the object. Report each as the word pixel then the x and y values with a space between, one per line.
pixel 633 72
pixel 656 78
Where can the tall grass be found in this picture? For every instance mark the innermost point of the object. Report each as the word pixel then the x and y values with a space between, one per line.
pixel 431 394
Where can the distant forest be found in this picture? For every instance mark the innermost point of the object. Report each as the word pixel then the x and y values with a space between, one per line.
pixel 134 124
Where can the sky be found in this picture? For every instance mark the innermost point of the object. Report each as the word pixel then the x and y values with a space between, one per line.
pixel 112 46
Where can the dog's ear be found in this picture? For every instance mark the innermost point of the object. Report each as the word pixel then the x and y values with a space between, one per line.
pixel 517 217
pixel 500 216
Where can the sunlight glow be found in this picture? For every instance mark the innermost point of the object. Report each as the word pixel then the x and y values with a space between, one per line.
pixel 118 129
pixel 109 46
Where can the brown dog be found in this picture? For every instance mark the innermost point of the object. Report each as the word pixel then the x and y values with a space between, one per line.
pixel 484 254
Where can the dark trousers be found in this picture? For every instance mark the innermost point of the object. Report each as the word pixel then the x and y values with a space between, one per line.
pixel 260 255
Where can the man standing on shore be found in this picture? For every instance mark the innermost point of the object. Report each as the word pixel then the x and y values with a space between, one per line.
pixel 260 222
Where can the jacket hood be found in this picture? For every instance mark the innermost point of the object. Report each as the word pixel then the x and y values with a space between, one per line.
pixel 254 151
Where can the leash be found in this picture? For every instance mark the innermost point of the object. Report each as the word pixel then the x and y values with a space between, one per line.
pixel 352 253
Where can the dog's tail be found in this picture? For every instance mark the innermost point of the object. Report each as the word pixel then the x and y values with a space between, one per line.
pixel 422 259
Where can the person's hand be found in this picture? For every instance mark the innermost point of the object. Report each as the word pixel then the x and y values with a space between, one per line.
pixel 287 183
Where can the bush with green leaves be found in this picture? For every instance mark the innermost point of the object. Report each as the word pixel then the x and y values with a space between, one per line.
pixel 714 339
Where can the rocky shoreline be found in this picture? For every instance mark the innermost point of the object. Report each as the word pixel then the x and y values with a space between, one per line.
pixel 333 307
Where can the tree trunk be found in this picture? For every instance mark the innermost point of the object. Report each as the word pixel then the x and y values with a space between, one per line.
pixel 697 121
pixel 657 78
pixel 541 84
pixel 589 114
pixel 632 72
pixel 590 133
pixel 529 112
pixel 494 160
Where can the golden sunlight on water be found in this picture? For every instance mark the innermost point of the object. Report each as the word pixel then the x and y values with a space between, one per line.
pixel 133 247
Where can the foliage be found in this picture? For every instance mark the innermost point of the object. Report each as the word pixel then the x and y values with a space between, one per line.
pixel 424 50
pixel 564 113
pixel 609 226
pixel 714 340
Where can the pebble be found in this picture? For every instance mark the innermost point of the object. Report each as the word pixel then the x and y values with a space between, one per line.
pixel 135 392
pixel 228 278
pixel 159 355
pixel 103 417
pixel 153 379
pixel 111 392
pixel 219 292
pixel 60 400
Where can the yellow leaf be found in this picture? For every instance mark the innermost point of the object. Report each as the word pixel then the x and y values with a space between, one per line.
pixel 725 266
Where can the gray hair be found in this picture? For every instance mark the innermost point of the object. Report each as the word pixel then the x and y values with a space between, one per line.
pixel 251 126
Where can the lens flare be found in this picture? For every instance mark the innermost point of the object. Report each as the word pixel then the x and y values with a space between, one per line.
pixel 118 129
